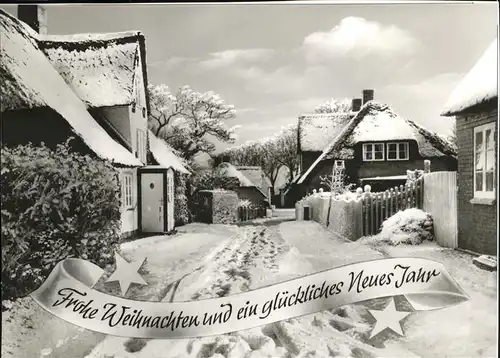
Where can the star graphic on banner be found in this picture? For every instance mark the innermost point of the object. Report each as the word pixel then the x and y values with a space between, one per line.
pixel 126 273
pixel 388 318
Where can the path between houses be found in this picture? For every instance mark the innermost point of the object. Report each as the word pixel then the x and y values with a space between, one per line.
pixel 260 254
pixel 217 260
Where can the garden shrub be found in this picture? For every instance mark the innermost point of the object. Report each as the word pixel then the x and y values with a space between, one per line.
pixel 215 179
pixel 55 204
pixel 410 226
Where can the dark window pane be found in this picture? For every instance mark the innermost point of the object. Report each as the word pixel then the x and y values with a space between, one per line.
pixel 490 181
pixel 479 160
pixel 379 155
pixel 490 160
pixel 479 181
pixel 479 141
pixel 490 139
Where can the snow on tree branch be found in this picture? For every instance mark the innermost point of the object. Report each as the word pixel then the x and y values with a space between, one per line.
pixel 187 118
pixel 270 153
pixel 334 106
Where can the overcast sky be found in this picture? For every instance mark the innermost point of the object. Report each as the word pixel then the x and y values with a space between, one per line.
pixel 274 62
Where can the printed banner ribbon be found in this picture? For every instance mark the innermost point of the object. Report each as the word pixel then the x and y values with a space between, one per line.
pixel 68 294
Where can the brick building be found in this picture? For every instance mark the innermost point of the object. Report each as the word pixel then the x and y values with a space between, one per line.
pixel 474 103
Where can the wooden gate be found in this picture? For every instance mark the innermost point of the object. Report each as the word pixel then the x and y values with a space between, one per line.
pixel 440 200
pixel 377 207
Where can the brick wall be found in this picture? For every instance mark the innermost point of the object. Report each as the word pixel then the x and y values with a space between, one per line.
pixel 477 228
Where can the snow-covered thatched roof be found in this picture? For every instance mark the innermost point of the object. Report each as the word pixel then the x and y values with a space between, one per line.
pixel 28 80
pixel 478 86
pixel 99 68
pixel 164 154
pixel 232 172
pixel 316 130
pixel 256 176
pixel 378 122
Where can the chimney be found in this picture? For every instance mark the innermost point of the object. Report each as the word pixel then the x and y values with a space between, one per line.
pixel 356 104
pixel 34 16
pixel 367 95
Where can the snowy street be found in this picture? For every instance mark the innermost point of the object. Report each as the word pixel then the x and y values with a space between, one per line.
pixel 240 259
pixel 203 261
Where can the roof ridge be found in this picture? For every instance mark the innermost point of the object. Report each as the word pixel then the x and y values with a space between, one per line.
pixel 379 107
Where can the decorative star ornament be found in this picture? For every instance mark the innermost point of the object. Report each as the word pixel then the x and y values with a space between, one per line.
pixel 126 273
pixel 388 318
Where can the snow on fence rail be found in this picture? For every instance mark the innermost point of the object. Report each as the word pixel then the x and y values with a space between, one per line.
pixel 376 207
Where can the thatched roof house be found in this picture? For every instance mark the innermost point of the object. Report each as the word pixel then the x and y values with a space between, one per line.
pixel 256 176
pixel 474 104
pixel 249 189
pixel 99 68
pixel 316 130
pixel 376 122
pixel 30 80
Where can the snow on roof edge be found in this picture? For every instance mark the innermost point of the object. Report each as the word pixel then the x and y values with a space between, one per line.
pixel 32 69
pixel 478 86
pixel 164 155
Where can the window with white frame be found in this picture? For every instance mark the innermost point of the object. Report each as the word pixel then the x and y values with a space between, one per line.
pixel 339 164
pixel 398 151
pixel 484 161
pixel 141 145
pixel 373 152
pixel 127 197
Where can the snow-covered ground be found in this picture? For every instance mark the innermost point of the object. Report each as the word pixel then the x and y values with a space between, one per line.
pixel 204 261
pixel 465 330
pixel 259 255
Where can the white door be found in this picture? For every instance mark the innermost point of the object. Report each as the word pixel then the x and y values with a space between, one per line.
pixel 170 200
pixel 152 213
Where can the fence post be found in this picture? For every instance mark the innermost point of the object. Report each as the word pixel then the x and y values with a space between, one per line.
pixel 427 166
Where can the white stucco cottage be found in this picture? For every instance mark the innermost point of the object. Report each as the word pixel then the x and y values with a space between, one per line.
pixel 92 87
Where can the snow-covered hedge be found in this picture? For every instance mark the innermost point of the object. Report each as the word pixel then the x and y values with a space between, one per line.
pixel 411 226
pixel 55 204
pixel 181 210
pixel 216 206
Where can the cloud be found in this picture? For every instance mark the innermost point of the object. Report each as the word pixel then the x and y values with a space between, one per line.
pixel 358 38
pixel 171 64
pixel 432 88
pixel 423 101
pixel 227 58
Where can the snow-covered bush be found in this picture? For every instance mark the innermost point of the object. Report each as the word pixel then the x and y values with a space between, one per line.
pixel 411 226
pixel 215 179
pixel 55 204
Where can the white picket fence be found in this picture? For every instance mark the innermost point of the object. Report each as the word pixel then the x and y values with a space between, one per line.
pixel 364 213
